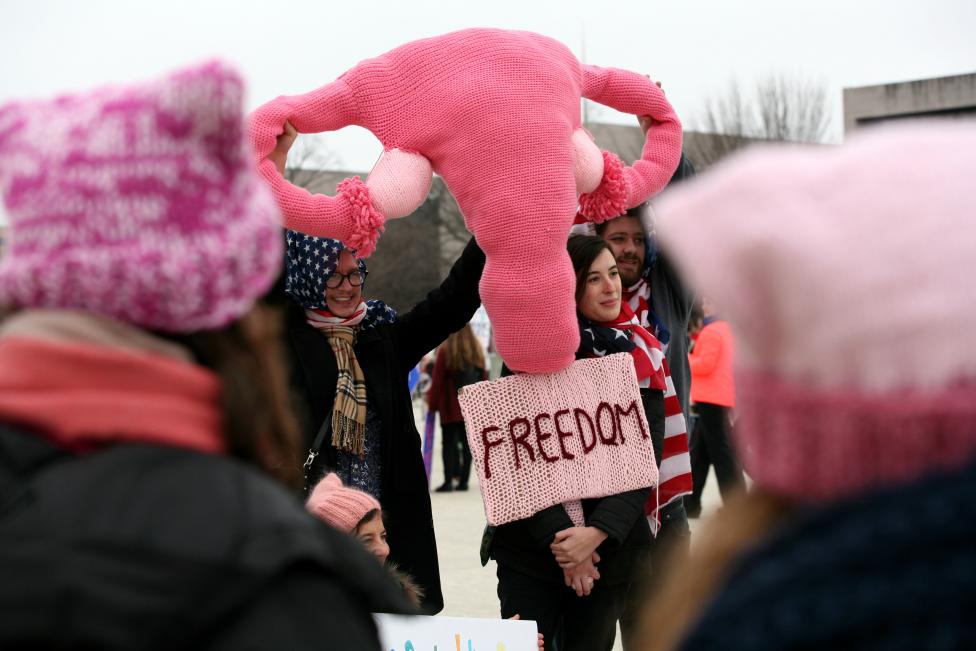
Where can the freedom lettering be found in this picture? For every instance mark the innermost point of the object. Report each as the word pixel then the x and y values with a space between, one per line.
pixel 529 435
pixel 540 440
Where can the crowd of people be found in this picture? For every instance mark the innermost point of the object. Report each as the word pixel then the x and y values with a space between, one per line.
pixel 195 456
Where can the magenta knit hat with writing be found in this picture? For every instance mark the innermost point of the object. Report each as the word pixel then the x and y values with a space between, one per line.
pixel 847 274
pixel 339 506
pixel 139 203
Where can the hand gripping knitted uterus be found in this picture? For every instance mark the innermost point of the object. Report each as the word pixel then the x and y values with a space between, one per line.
pixel 497 115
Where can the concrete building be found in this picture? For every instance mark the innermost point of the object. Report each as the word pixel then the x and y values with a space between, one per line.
pixel 941 97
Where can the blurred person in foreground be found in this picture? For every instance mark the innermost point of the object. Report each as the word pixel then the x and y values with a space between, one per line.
pixel 144 435
pixel 846 274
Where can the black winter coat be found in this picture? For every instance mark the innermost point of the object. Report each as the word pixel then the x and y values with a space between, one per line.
pixel 386 355
pixel 138 546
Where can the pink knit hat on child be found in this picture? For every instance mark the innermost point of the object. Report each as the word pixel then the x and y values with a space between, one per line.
pixel 139 203
pixel 847 274
pixel 339 506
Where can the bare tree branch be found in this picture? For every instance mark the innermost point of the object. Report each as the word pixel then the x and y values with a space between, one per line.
pixel 309 156
pixel 780 107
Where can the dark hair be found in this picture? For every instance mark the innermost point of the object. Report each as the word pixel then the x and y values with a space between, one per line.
pixel 372 513
pixel 258 424
pixel 583 250
pixel 634 212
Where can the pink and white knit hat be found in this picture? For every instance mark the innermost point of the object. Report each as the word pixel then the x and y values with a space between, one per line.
pixel 847 273
pixel 338 505
pixel 140 203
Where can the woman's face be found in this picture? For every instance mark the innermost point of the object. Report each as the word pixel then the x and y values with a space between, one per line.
pixel 344 299
pixel 372 533
pixel 601 290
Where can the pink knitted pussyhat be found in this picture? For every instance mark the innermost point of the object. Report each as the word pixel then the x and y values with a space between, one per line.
pixel 339 506
pixel 847 274
pixel 139 203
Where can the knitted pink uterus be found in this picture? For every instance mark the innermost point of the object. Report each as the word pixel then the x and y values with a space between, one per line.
pixel 497 115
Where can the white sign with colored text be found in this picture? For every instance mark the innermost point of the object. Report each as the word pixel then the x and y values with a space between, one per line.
pixel 419 633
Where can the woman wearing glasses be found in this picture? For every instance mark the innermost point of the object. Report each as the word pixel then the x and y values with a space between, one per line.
pixel 350 363
pixel 351 358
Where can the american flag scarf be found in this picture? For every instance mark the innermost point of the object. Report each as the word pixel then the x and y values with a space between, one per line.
pixel 638 298
pixel 349 406
pixel 674 475
pixel 625 335
pixel 309 261
pixel 622 335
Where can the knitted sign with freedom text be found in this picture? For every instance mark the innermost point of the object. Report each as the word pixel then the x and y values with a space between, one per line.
pixel 544 439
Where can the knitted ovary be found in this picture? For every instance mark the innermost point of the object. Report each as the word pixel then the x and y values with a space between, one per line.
pixel 495 113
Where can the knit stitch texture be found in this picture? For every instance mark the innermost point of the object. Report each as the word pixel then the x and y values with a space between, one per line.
pixel 574 443
pixel 892 570
pixel 139 203
pixel 846 275
pixel 495 113
pixel 338 505
pixel 309 261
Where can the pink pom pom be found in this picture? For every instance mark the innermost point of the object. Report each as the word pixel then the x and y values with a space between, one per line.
pixel 369 220
pixel 609 200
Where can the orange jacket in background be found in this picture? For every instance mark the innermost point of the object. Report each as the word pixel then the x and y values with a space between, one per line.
pixel 711 365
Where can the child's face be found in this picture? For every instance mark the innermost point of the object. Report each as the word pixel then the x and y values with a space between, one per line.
pixel 372 533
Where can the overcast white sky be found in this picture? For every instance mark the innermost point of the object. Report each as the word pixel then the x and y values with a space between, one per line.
pixel 693 46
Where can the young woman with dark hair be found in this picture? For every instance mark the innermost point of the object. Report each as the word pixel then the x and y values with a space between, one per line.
pixel 575 581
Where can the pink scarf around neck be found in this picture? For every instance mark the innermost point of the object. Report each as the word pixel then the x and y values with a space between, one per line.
pixel 81 395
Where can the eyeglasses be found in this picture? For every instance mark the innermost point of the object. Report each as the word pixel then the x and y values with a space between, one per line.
pixel 355 278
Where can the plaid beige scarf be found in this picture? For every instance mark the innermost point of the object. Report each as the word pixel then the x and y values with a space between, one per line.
pixel 349 406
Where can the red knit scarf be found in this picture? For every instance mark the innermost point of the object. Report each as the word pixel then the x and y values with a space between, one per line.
pixel 674 478
pixel 82 396
pixel 625 334
pixel 638 297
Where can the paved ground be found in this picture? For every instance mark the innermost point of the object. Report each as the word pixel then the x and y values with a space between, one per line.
pixel 459 519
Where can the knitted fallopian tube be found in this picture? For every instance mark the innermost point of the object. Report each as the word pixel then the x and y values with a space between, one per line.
pixel 495 113
pixel 349 216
